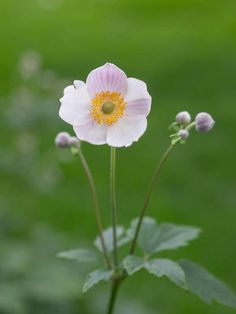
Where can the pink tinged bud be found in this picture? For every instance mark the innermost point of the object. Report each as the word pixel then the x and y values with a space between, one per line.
pixel 183 118
pixel 62 140
pixel 73 141
pixel 204 122
pixel 183 134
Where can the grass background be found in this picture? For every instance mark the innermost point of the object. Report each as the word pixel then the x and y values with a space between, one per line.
pixel 185 51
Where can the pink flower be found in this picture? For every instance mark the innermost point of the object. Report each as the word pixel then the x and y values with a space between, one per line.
pixel 109 109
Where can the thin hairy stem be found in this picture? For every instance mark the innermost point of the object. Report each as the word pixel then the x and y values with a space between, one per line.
pixel 96 206
pixel 113 201
pixel 148 195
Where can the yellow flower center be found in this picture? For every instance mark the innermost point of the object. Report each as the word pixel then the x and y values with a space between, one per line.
pixel 107 107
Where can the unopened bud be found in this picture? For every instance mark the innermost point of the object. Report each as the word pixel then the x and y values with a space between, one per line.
pixel 62 140
pixel 183 134
pixel 204 122
pixel 183 118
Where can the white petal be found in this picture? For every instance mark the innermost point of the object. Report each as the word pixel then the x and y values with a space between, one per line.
pixel 69 89
pixel 126 130
pixel 106 78
pixel 136 89
pixel 78 84
pixel 89 130
pixel 75 102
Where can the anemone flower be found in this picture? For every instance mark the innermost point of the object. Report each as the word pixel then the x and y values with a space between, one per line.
pixel 108 109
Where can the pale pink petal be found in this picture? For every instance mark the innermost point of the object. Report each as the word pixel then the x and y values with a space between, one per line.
pixel 75 102
pixel 89 130
pixel 137 97
pixel 138 107
pixel 126 130
pixel 106 78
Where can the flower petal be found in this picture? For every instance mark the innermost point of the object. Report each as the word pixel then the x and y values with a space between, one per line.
pixel 126 131
pixel 78 84
pixel 75 102
pixel 137 97
pixel 106 78
pixel 138 107
pixel 89 130
pixel 136 89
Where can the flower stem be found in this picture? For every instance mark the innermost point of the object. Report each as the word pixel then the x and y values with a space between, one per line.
pixel 113 202
pixel 149 193
pixel 96 206
pixel 114 290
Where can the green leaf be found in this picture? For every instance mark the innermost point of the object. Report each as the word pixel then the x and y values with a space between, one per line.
pixel 148 235
pixel 207 287
pixel 173 236
pixel 80 255
pixel 108 238
pixel 155 238
pixel 95 277
pixel 158 267
pixel 132 264
pixel 166 267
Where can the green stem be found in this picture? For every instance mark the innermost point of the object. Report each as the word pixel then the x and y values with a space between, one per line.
pixel 149 193
pixel 96 206
pixel 114 290
pixel 113 201
pixel 190 126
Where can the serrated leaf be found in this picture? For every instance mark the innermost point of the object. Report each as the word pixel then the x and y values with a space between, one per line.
pixel 173 236
pixel 132 264
pixel 158 267
pixel 108 238
pixel 95 277
pixel 80 255
pixel 155 238
pixel 207 287
pixel 166 267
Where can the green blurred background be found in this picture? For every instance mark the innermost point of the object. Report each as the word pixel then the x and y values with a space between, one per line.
pixel 185 50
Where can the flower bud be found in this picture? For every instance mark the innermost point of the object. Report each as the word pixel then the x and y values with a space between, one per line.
pixel 204 122
pixel 183 134
pixel 73 140
pixel 183 118
pixel 62 140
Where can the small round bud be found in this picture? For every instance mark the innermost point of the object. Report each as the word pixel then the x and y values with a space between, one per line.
pixel 183 118
pixel 204 122
pixel 62 140
pixel 73 140
pixel 183 134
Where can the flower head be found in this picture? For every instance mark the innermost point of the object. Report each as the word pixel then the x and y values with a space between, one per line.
pixel 204 122
pixel 108 109
pixel 183 118
pixel 62 140
pixel 65 140
pixel 184 134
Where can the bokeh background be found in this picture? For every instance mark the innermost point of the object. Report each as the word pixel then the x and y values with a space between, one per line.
pixel 185 50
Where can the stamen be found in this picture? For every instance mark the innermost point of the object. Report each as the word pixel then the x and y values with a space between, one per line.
pixel 107 107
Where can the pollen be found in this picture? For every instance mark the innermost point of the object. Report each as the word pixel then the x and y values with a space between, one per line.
pixel 107 107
